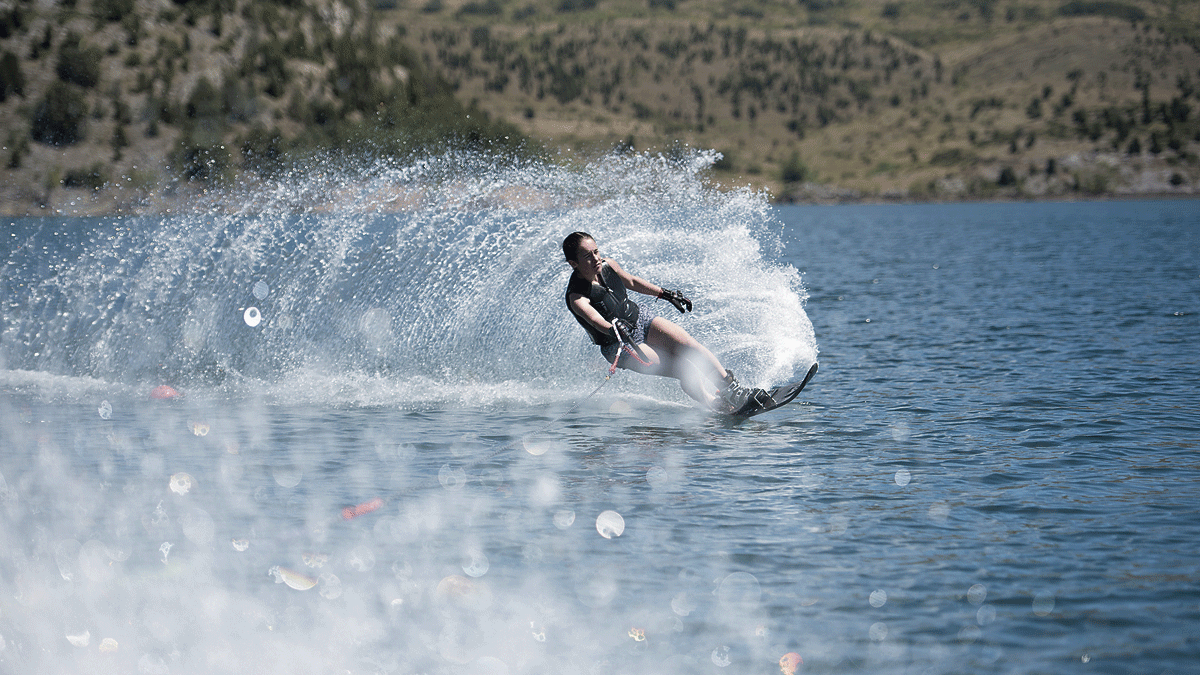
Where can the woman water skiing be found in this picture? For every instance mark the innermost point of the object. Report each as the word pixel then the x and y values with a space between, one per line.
pixel 596 295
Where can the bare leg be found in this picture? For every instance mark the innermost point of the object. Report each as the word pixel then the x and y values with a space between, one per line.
pixel 685 359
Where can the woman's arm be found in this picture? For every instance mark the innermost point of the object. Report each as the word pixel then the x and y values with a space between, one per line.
pixel 583 307
pixel 634 283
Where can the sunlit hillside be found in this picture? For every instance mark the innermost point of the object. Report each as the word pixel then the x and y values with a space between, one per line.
pixel 107 103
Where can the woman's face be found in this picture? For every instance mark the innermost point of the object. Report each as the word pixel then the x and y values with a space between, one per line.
pixel 588 257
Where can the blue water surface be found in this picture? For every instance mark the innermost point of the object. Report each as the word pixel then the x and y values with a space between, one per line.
pixel 994 471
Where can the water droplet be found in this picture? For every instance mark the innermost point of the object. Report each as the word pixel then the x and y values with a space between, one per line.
pixel 939 513
pixel 452 478
pixel 720 656
pixel 241 544
pixel 903 477
pixel 977 594
pixel 199 428
pixel 331 586
pixel 1043 603
pixel 739 589
pixel 105 410
pixel 535 448
pixel 108 645
pixel 252 316
pixel 80 639
pixel 293 579
pixel 610 524
pixel 657 477
pixel 682 604
pixel 261 290
pixel 878 631
pixel 789 662
pixel 970 634
pixel 165 550
pixel 986 615
pixel 361 558
pixel 287 475
pixel 476 564
pixel 901 432
pixel 181 483
pixel 878 598
pixel 563 519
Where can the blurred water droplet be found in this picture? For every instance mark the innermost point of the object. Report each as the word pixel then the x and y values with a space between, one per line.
pixel 739 590
pixel 105 410
pixel 315 560
pixel 720 657
pixel 331 586
pixel 535 448
pixel 361 558
pixel 789 663
pixel 986 615
pixel 878 598
pixel 165 550
pixel 108 645
pixel 901 432
pixel 287 475
pixel 563 519
pixel 657 477
pixel 261 290
pixel 198 526
pixel 969 634
pixel 682 604
pixel 252 316
pixel 241 544
pixel 903 477
pixel 878 631
pixel 976 594
pixel 1043 603
pixel 476 564
pixel 939 513
pixel 80 639
pixel 452 478
pixel 199 428
pixel 181 483
pixel 293 579
pixel 610 524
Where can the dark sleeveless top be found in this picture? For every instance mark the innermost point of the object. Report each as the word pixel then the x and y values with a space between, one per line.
pixel 609 299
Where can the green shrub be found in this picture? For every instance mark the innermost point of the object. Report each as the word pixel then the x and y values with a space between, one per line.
pixel 59 117
pixel 112 10
pixel 78 64
pixel 94 177
pixel 794 170
pixel 12 80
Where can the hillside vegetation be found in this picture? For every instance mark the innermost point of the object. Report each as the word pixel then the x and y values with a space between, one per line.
pixel 107 101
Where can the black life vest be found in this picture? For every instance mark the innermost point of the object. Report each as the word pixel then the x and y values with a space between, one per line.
pixel 608 298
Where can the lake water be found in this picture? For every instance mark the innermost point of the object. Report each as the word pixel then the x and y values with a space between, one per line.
pixel 389 454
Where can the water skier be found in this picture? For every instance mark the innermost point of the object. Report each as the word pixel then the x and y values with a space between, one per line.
pixel 596 295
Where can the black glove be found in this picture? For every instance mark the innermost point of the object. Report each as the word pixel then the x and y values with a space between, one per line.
pixel 622 331
pixel 676 298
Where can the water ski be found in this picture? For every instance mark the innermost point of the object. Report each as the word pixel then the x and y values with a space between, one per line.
pixel 779 396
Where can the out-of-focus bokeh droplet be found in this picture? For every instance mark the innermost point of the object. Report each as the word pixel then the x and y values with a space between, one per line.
pixel 878 598
pixel 292 578
pixel 977 594
pixel 610 524
pixel 1043 603
pixel 902 477
pixel 720 657
pixel 476 564
pixel 252 316
pixel 452 478
pixel 105 410
pixel 789 663
pixel 878 631
pixel 241 544
pixel 181 483
pixel 200 428
pixel 331 586
pixel 261 290
pixel 108 645
pixel 80 639
pixel 563 519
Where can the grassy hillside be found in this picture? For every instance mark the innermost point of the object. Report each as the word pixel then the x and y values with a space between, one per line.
pixel 108 102
pixel 846 98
